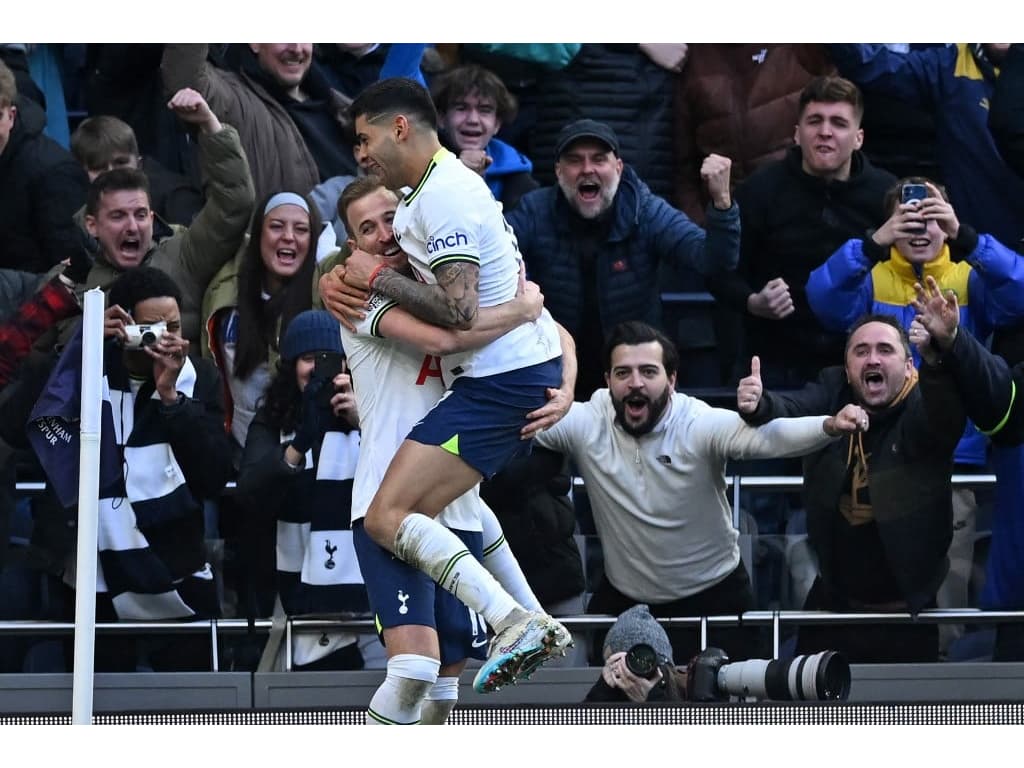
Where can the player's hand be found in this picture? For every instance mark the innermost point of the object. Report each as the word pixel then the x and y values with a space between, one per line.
pixel 358 268
pixel 558 404
pixel 347 304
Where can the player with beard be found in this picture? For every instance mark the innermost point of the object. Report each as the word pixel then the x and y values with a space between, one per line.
pixel 653 460
pixel 396 374
pixel 464 257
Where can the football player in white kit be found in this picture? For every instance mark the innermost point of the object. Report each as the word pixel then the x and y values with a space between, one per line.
pixel 396 382
pixel 464 257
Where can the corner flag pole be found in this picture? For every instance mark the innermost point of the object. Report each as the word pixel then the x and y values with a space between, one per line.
pixel 88 505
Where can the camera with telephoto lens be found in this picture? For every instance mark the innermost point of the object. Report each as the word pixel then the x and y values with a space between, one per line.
pixel 821 676
pixel 139 336
pixel 643 661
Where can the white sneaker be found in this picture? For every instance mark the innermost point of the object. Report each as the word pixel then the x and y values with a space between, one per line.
pixel 519 650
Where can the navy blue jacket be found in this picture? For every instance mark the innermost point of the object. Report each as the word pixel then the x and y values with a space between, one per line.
pixel 645 231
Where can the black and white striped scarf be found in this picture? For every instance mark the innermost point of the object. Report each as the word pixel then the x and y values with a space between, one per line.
pixel 318 573
pixel 149 509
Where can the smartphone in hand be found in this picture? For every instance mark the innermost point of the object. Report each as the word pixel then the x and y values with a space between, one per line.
pixel 911 192
pixel 326 366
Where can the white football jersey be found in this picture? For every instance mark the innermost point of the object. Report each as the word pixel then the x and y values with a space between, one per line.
pixel 451 216
pixel 395 385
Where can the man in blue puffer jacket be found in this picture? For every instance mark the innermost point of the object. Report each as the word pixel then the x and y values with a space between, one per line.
pixel 595 242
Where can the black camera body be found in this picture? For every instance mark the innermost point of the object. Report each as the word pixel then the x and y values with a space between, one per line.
pixel 814 677
pixel 643 661
pixel 702 675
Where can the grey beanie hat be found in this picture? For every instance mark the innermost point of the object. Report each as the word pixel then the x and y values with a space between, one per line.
pixel 636 625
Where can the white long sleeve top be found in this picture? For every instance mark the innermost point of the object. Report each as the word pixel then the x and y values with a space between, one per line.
pixel 659 500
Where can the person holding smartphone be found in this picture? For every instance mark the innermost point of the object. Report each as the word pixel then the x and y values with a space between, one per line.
pixel 296 475
pixel 923 237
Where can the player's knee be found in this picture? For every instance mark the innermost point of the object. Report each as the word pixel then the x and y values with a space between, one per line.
pixel 411 676
pixel 377 528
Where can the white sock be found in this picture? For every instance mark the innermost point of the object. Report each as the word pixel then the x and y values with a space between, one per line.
pixel 502 563
pixel 440 701
pixel 399 698
pixel 426 544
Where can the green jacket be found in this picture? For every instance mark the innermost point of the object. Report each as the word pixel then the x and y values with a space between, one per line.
pixel 194 254
pixel 278 154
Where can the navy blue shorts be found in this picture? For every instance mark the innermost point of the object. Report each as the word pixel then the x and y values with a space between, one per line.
pixel 479 419
pixel 401 594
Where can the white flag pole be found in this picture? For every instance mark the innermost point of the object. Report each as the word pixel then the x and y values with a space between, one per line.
pixel 88 504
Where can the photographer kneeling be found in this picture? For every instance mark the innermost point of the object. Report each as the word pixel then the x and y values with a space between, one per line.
pixel 638 662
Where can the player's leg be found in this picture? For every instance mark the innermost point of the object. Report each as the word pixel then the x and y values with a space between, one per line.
pixel 501 561
pixel 402 599
pixel 462 634
pixel 472 432
pixel 426 478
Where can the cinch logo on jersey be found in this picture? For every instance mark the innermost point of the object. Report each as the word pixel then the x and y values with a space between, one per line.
pixel 435 244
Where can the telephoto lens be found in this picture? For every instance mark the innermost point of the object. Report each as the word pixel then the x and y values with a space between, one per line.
pixel 642 660
pixel 821 676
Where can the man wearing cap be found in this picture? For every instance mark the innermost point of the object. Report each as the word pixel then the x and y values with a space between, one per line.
pixel 596 243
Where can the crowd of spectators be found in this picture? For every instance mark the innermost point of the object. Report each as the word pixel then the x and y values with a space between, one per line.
pixel 732 211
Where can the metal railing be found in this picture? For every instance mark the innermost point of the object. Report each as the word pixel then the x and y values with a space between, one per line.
pixel 777 620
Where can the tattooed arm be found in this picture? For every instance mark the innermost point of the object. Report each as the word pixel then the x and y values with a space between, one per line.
pixel 452 303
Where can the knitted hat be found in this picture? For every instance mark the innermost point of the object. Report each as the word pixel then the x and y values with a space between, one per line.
pixel 636 625
pixel 311 331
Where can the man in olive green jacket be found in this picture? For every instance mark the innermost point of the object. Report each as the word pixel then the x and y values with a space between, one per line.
pixel 119 216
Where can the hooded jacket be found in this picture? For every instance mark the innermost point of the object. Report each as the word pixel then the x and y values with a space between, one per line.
pixel 193 255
